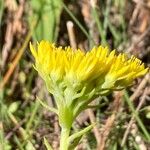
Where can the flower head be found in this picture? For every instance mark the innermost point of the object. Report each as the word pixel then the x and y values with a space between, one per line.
pixel 99 65
pixel 74 77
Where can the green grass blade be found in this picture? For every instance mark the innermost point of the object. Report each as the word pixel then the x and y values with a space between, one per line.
pixel 1 10
pixel 48 147
pixel 47 15
pixel 135 113
pixel 78 23
pixel 31 119
pixel 99 26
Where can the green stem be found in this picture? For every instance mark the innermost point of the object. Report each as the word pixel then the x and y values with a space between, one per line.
pixel 64 142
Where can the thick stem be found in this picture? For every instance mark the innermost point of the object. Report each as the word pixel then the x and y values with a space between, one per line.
pixel 64 143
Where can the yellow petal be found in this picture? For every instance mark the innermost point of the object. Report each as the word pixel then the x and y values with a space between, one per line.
pixel 33 51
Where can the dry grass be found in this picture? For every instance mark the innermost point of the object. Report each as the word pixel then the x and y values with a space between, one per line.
pixel 123 118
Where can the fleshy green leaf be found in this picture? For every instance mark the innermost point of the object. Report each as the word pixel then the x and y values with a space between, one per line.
pixel 81 133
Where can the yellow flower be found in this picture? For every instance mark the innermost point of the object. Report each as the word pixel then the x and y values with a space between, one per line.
pixel 106 69
pixel 75 77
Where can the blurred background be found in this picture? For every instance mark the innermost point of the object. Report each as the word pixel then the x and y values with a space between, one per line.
pixel 123 118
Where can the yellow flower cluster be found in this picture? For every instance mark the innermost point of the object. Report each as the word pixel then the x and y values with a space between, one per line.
pixel 75 77
pixel 106 69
